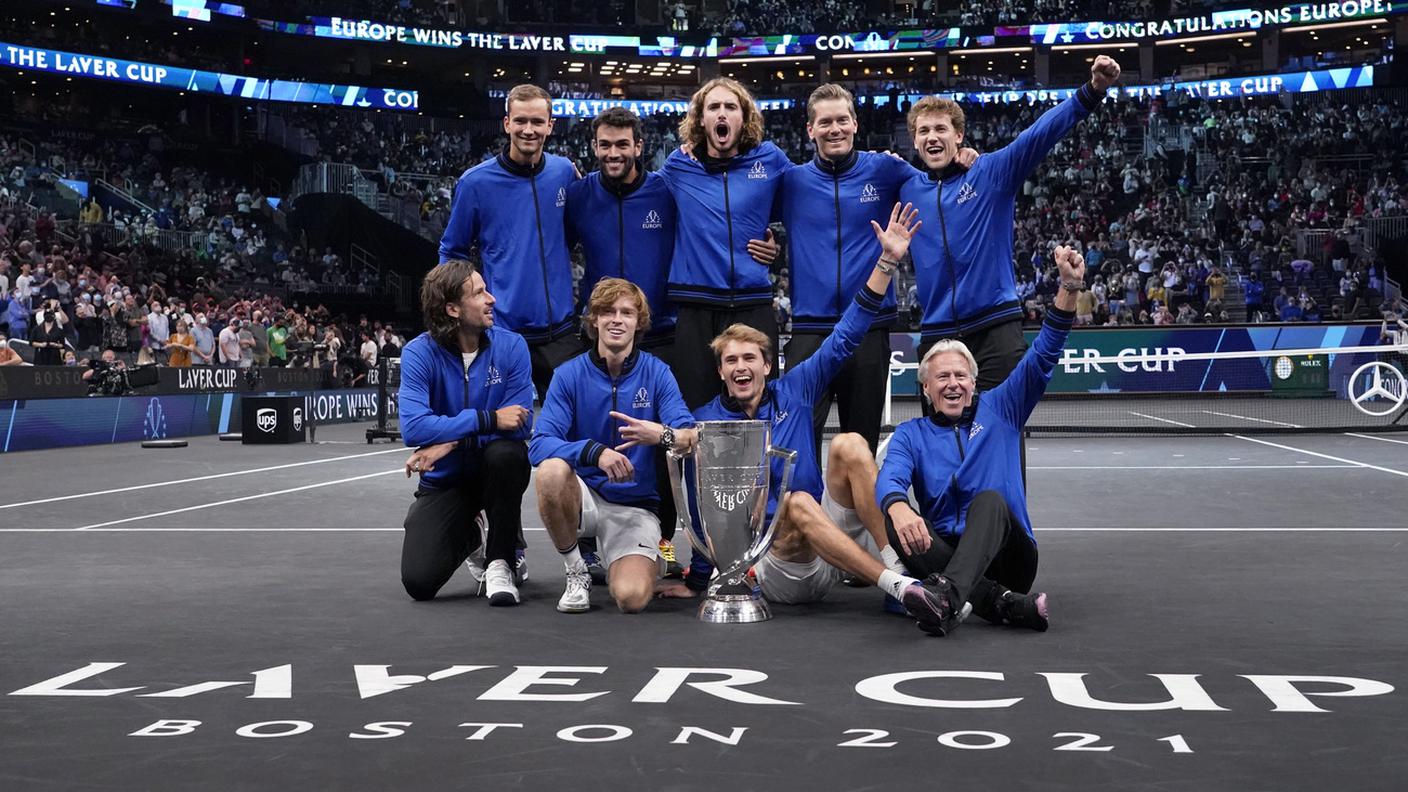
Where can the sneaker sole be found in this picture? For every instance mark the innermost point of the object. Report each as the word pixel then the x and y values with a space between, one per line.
pixel 927 625
pixel 501 599
pixel 573 609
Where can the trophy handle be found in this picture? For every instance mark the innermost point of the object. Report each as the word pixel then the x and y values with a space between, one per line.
pixel 675 462
pixel 789 461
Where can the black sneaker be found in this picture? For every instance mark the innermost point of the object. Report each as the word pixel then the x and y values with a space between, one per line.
pixel 933 604
pixel 1024 610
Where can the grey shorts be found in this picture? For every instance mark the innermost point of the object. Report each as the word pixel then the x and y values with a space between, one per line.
pixel 793 582
pixel 619 530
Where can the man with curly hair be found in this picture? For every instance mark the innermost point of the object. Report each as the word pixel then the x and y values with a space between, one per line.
pixel 725 187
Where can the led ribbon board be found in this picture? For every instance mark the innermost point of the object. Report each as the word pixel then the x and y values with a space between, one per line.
pixel 158 76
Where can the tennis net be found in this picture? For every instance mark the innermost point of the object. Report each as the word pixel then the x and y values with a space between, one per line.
pixel 1323 389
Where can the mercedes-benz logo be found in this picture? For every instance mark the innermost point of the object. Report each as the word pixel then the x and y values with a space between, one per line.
pixel 1385 382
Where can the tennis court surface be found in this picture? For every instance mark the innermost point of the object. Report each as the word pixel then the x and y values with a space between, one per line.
pixel 1227 615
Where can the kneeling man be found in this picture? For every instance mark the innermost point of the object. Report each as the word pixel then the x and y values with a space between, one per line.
pixel 592 445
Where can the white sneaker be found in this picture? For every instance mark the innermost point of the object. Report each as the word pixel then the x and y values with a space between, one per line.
pixel 577 597
pixel 475 565
pixel 498 581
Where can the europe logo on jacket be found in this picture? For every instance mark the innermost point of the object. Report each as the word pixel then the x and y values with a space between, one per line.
pixel 758 171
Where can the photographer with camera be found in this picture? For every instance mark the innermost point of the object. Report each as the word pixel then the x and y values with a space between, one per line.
pixel 106 376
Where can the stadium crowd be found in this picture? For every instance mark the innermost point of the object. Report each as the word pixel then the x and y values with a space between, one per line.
pixel 1162 246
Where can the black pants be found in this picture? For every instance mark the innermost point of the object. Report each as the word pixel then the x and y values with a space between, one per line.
pixel 694 366
pixel 858 388
pixel 663 347
pixel 997 350
pixel 993 554
pixel 547 356
pixel 440 527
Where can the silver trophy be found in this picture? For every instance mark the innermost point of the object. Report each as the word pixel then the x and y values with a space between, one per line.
pixel 721 492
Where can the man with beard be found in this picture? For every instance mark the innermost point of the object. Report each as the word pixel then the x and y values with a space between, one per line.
pixel 964 266
pixel 624 218
pixel 466 402
pixel 512 207
pixel 725 199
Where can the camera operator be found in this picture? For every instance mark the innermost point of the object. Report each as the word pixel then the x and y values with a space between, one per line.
pixel 106 376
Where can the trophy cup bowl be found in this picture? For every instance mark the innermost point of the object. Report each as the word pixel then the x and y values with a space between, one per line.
pixel 721 490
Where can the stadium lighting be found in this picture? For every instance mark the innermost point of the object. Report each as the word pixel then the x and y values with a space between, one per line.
pixel 1332 25
pixel 1073 47
pixel 989 50
pixel 768 60
pixel 876 55
pixel 1196 39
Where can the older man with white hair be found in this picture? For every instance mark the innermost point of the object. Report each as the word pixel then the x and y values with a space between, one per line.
pixel 971 537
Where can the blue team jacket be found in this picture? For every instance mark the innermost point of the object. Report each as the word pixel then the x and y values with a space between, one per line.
pixel 515 213
pixel 963 259
pixel 575 425
pixel 788 400
pixel 723 204
pixel 440 401
pixel 827 208
pixel 627 231
pixel 949 462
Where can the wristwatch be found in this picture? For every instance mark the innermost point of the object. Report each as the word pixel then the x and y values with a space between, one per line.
pixel 1072 286
pixel 887 266
pixel 667 438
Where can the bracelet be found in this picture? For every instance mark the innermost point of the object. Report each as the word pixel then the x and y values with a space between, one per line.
pixel 887 266
pixel 667 438
pixel 1072 286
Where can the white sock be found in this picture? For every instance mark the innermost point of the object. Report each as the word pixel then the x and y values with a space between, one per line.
pixel 892 559
pixel 893 583
pixel 573 559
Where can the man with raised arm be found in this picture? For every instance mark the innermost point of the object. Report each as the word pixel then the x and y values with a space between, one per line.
pixel 971 537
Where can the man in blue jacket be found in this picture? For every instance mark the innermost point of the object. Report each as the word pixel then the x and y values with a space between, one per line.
pixel 971 537
pixel 828 205
pixel 512 207
pixel 725 199
pixel 964 267
pixel 466 402
pixel 831 525
pixel 593 447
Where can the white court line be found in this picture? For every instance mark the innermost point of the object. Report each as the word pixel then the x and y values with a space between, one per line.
pixel 198 478
pixel 1323 456
pixel 239 500
pixel 1258 420
pixel 1375 437
pixel 1165 420
pixel 1193 467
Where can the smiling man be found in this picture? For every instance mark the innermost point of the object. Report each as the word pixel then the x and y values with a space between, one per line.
pixel 971 538
pixel 466 401
pixel 512 207
pixel 830 524
pixel 593 447
pixel 725 188
pixel 624 218
pixel 964 265
pixel 828 205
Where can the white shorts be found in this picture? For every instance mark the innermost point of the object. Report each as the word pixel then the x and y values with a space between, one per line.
pixel 793 582
pixel 619 530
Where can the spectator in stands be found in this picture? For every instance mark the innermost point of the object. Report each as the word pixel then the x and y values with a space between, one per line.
pixel 158 331
pixel 246 341
pixel 260 334
pixel 230 344
pixel 203 342
pixel 8 356
pixel 181 346
pixel 47 337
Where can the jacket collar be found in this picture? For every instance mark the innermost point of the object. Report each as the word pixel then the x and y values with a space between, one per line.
pixel 626 367
pixel 525 171
pixel 719 164
pixel 735 406
pixel 965 418
pixel 949 172
pixel 456 351
pixel 836 167
pixel 620 188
